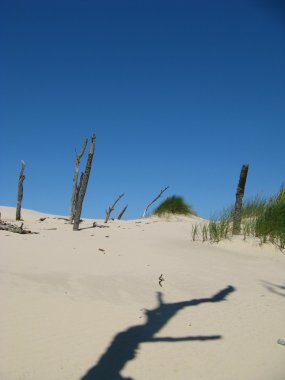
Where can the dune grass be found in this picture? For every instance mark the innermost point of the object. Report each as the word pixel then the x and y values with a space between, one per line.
pixel 174 205
pixel 270 224
pixel 261 218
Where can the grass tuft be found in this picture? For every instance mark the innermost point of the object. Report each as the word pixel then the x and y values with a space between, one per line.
pixel 174 205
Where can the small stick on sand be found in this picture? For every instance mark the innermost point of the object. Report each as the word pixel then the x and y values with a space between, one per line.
pixel 160 280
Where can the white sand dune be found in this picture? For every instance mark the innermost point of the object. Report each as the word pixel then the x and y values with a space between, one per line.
pixel 88 305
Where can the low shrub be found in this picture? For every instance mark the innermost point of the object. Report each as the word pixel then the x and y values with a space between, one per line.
pixel 174 205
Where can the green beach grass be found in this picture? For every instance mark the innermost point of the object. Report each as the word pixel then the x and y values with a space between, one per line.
pixel 260 217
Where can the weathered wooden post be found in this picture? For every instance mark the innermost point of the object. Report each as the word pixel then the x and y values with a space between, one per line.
pixel 239 197
pixel 20 191
pixel 84 183
pixel 75 180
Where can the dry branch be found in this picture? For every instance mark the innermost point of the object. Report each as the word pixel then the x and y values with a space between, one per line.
pixel 111 209
pixel 154 200
pixel 122 213
pixel 20 191
pixel 61 218
pixel 75 180
pixel 239 197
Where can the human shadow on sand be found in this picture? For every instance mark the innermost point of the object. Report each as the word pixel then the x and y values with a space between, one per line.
pixel 125 344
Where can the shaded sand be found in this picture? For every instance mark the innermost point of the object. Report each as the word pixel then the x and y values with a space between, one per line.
pixel 87 305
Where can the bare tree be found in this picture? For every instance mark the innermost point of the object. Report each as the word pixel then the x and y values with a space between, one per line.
pixel 122 213
pixel 20 191
pixel 84 183
pixel 239 197
pixel 154 200
pixel 71 218
pixel 111 209
pixel 75 180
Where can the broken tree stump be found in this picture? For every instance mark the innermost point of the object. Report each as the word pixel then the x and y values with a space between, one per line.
pixel 239 197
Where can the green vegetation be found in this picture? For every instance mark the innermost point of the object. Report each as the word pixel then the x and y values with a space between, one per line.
pixel 261 218
pixel 253 208
pixel 270 225
pixel 174 205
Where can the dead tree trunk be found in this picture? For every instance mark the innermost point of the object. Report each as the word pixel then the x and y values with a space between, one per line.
pixel 76 197
pixel 239 197
pixel 110 209
pixel 20 191
pixel 122 213
pixel 84 184
pixel 154 200
pixel 75 180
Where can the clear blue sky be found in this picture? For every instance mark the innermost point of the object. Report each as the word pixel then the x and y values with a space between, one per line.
pixel 179 93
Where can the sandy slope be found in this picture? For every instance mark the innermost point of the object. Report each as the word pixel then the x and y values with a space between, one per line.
pixel 71 311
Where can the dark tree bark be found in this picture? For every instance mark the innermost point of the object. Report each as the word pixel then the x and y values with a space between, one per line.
pixel 78 187
pixel 111 209
pixel 122 213
pixel 75 180
pixel 154 200
pixel 84 183
pixel 239 197
pixel 20 191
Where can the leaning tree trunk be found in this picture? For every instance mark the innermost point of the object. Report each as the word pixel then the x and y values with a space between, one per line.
pixel 84 184
pixel 239 197
pixel 154 200
pixel 20 191
pixel 111 209
pixel 75 180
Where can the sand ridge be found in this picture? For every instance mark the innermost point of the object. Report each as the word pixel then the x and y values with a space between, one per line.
pixel 88 304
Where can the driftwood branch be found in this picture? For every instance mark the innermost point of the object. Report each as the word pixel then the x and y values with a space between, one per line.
pixel 122 213
pixel 13 228
pixel 239 197
pixel 84 183
pixel 154 200
pixel 111 209
pixel 75 180
pixel 20 191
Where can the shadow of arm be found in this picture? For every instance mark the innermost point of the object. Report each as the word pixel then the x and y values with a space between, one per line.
pixel 186 338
